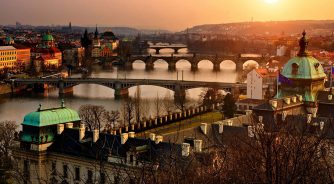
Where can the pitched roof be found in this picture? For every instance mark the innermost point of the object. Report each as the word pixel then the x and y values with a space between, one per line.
pixel 7 48
pixel 107 145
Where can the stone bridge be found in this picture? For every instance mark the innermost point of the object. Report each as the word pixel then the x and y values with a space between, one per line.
pixel 121 86
pixel 194 59
pixel 175 47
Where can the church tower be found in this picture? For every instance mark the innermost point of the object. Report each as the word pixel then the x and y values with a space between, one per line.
pixel 305 75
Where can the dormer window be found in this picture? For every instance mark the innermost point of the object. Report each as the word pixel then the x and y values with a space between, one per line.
pixel 295 67
pixel 316 66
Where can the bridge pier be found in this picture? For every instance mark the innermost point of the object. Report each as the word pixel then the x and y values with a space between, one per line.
pixel 149 66
pixel 194 66
pixel 157 51
pixel 171 66
pixel 128 65
pixel 216 67
pixel 121 93
pixel 176 50
pixel 239 66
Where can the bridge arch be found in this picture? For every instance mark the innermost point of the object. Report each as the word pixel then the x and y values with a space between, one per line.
pixel 183 64
pixel 228 64
pixel 139 64
pixel 152 91
pixel 205 64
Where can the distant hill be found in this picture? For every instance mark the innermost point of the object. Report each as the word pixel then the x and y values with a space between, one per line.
pixel 269 28
pixel 128 31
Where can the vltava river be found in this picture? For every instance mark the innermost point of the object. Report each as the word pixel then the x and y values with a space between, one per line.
pixel 14 108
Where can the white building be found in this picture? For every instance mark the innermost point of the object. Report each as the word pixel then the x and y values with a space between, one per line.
pixel 260 82
pixel 281 50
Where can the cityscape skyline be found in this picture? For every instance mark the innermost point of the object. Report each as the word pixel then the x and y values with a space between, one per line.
pixel 165 16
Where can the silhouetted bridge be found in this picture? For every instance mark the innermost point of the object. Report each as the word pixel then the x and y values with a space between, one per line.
pixel 194 59
pixel 121 86
pixel 175 47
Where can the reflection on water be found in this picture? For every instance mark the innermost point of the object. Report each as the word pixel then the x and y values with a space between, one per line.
pixel 14 108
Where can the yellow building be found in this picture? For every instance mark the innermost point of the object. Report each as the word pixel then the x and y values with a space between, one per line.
pixel 8 57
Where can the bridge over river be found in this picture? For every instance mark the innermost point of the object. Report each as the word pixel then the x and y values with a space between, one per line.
pixel 121 86
pixel 194 59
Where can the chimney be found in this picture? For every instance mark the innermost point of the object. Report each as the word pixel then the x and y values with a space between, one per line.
pixel 185 149
pixel 300 98
pixel 309 118
pixel 250 131
pixel 229 122
pixel 81 132
pixel 95 135
pixel 158 139
pixel 198 145
pixel 294 99
pixel 132 134
pixel 260 119
pixel 287 101
pixel 330 97
pixel 124 138
pixel 221 127
pixel 204 128
pixel 60 128
pixel 69 125
pixel 274 104
pixel 152 136
pixel 321 124
pixel 249 112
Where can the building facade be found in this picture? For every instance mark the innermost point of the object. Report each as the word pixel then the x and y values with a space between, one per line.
pixel 55 147
pixel 261 84
pixel 8 57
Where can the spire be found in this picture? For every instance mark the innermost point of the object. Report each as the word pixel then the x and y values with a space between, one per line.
pixel 303 43
pixel 96 32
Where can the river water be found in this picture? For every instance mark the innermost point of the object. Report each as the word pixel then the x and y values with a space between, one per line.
pixel 14 108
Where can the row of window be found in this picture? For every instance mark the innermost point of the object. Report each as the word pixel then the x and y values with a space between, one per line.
pixel 5 53
pixel 77 173
pixel 7 64
pixel 7 58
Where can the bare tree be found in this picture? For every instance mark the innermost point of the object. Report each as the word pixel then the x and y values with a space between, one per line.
pixel 167 103
pixel 127 111
pixel 137 102
pixel 157 105
pixel 92 116
pixel 111 118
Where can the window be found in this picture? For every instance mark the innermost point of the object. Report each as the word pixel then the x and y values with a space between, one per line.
pixel 89 176
pixel 102 178
pixel 77 173
pixel 53 169
pixel 26 171
pixel 294 69
pixel 65 171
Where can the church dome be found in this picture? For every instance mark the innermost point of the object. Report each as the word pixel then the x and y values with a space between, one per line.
pixel 49 117
pixel 47 37
pixel 303 66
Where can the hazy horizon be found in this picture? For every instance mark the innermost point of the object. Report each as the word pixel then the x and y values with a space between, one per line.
pixel 173 15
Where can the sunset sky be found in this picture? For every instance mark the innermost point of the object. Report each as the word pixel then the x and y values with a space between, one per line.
pixel 159 14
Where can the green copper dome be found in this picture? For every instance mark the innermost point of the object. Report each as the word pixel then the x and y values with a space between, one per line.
pixel 47 37
pixel 49 117
pixel 306 67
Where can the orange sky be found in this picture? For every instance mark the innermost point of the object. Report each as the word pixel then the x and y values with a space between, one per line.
pixel 159 14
